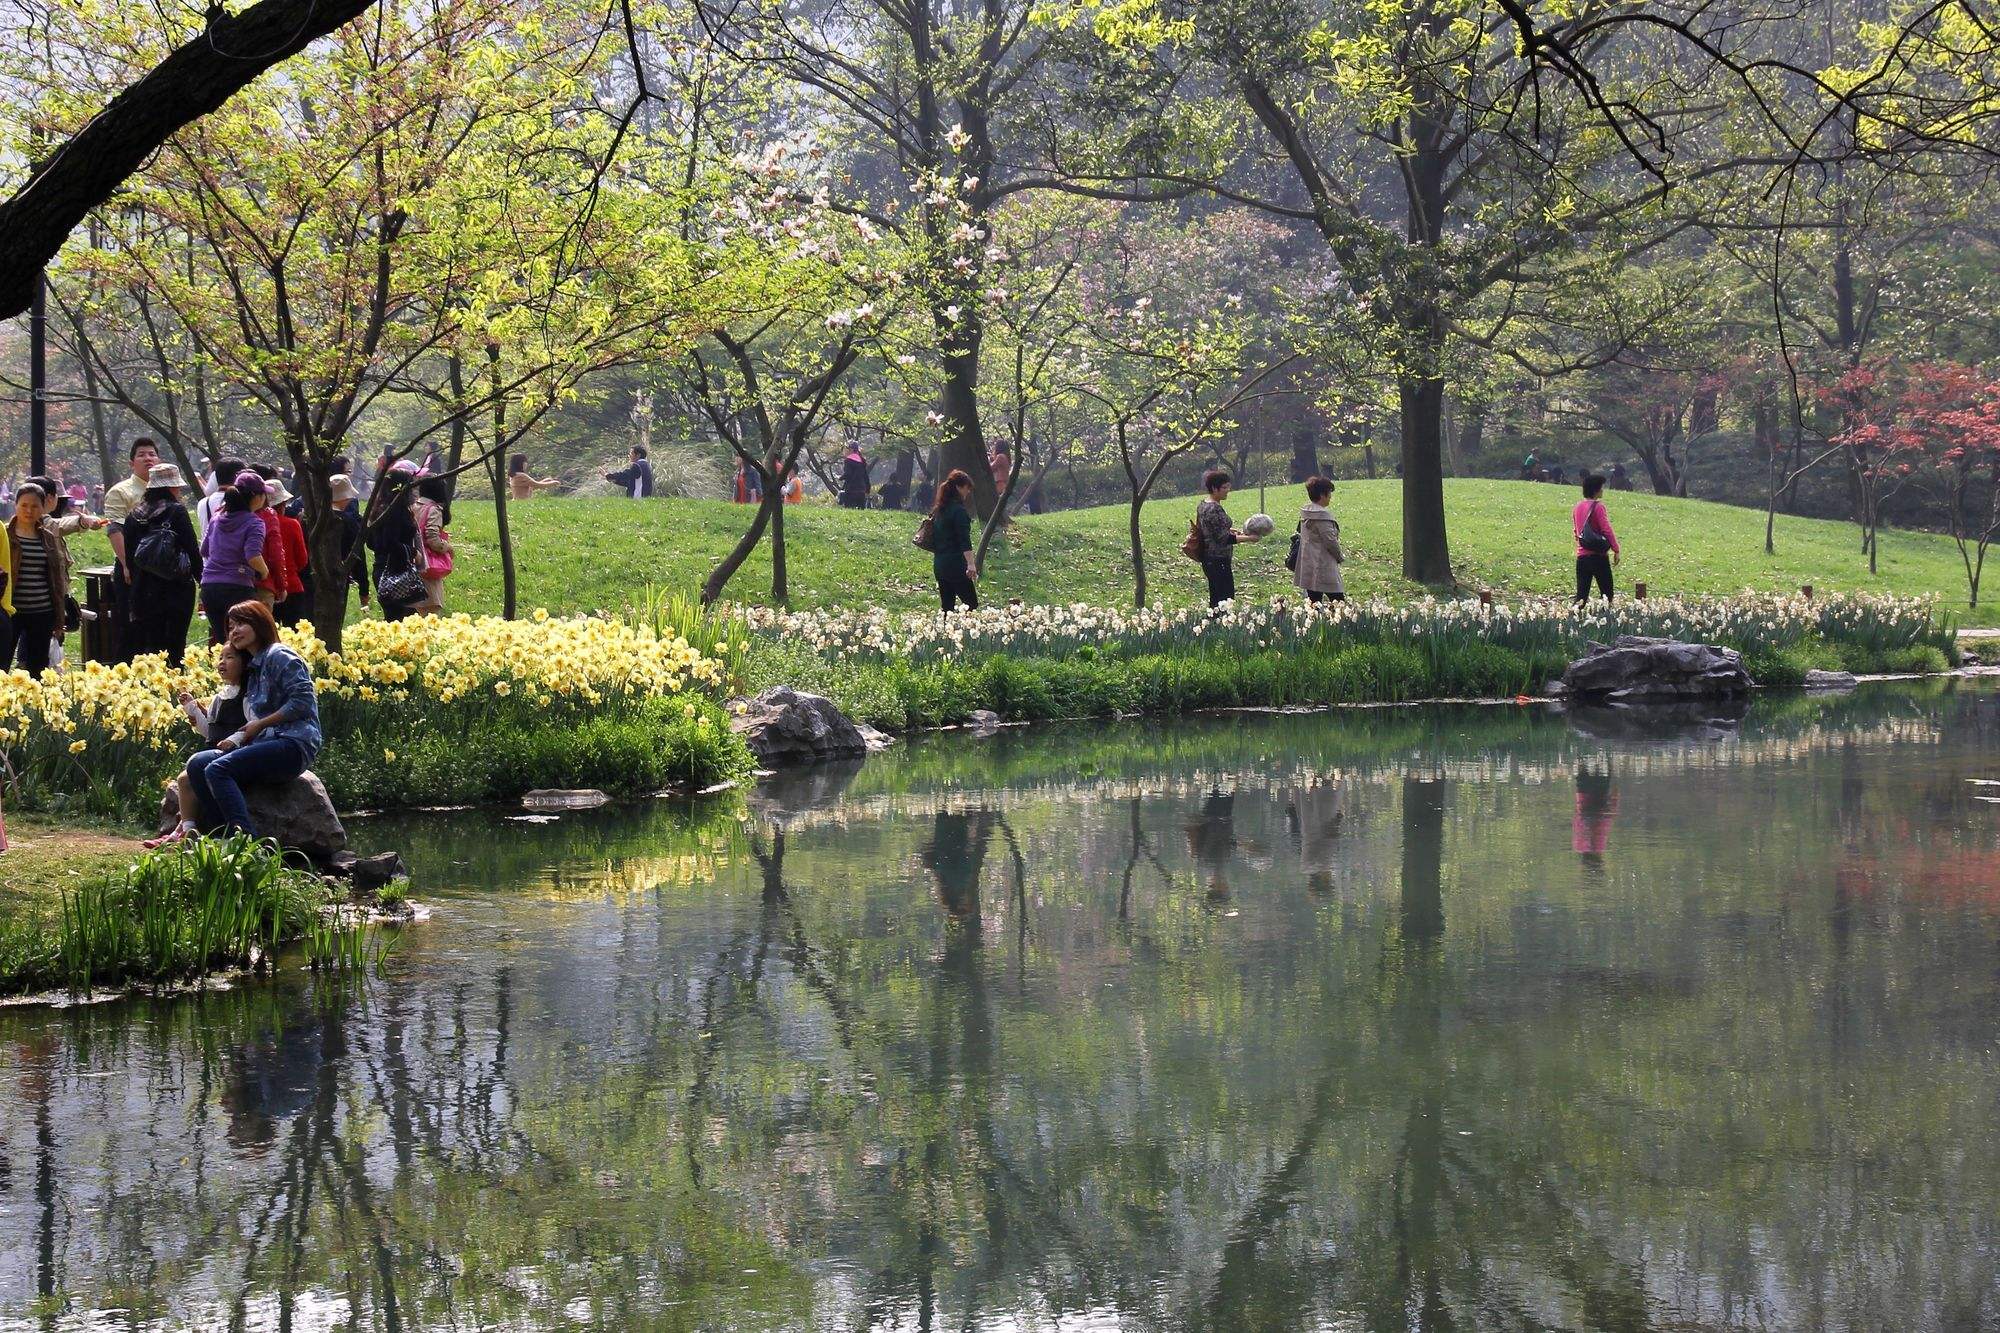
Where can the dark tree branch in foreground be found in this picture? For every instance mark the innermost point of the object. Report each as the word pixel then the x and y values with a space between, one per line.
pixel 195 79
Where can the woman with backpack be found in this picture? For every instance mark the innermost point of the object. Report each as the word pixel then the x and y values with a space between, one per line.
pixel 951 544
pixel 165 560
pixel 1317 558
pixel 1596 544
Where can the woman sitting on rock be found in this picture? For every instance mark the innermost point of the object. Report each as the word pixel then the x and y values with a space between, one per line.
pixel 281 736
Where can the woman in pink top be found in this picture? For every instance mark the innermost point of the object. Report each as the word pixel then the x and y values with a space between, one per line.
pixel 1596 543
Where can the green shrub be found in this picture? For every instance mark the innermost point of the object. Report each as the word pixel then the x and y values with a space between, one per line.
pixel 683 742
pixel 1920 659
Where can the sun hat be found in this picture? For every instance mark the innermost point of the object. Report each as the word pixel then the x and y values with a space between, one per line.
pixel 249 483
pixel 340 487
pixel 279 495
pixel 404 467
pixel 164 474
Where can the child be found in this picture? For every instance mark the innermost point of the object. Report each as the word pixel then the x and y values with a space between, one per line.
pixel 221 716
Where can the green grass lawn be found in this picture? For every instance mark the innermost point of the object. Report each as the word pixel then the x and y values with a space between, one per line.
pixel 1507 536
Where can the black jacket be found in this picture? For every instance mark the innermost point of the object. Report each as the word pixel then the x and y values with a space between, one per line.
pixel 638 477
pixel 147 518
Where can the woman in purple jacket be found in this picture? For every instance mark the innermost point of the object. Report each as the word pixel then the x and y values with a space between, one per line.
pixel 232 553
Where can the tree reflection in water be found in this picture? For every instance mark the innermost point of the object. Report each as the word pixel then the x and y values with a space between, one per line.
pixel 957 1038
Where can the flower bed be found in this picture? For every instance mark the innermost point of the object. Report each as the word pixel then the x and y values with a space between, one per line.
pixel 431 709
pixel 1078 660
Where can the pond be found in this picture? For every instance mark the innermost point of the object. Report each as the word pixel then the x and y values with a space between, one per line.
pixel 1442 1017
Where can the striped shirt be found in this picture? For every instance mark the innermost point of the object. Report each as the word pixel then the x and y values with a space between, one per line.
pixel 31 583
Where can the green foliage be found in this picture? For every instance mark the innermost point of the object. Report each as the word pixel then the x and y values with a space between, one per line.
pixel 664 743
pixel 174 915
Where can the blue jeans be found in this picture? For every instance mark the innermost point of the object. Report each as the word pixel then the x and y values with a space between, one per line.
pixel 218 778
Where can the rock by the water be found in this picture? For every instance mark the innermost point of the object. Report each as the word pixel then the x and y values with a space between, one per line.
pixel 783 726
pixel 1634 668
pixel 983 719
pixel 297 815
pixel 564 798
pixel 1830 680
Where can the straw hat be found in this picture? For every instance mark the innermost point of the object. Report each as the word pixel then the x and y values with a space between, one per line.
pixel 164 474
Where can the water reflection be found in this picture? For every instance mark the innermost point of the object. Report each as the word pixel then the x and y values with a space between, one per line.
pixel 1243 1024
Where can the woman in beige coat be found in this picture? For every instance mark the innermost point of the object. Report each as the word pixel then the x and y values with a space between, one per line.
pixel 1318 574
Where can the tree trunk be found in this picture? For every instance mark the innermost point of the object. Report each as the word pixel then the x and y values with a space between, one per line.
pixel 509 582
pixel 964 444
pixel 1138 554
pixel 780 594
pixel 718 578
pixel 1471 436
pixel 329 595
pixel 1426 550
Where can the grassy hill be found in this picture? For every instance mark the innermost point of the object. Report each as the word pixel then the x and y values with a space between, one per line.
pixel 1511 537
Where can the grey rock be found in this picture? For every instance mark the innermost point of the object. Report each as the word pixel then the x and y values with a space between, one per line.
pixel 875 740
pixel 564 798
pixel 1635 669
pixel 983 719
pixel 784 727
pixel 372 874
pixel 297 815
pixel 1830 680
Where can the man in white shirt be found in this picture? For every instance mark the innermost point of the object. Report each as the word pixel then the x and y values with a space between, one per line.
pixel 119 502
pixel 211 504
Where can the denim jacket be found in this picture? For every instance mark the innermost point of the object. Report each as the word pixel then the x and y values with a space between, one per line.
pixel 280 686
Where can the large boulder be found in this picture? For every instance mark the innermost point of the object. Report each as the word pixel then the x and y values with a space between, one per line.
pixel 297 815
pixel 784 727
pixel 1634 669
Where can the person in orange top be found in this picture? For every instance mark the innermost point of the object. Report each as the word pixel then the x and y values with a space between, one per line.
pixel 298 559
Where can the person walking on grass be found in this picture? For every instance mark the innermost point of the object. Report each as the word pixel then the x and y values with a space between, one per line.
pixel 398 547
pixel 279 740
pixel 1219 539
pixel 1596 544
pixel 853 478
pixel 1319 559
pixel 353 553
pixel 951 544
pixel 165 559
pixel 432 512
pixel 232 551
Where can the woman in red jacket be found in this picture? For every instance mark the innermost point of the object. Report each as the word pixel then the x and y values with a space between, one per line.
pixel 297 559
pixel 1596 544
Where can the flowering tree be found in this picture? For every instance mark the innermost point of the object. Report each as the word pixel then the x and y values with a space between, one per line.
pixel 432 189
pixel 1162 361
pixel 1934 426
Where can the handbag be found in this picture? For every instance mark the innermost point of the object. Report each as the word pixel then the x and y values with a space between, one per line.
pixel 437 564
pixel 1192 546
pixel 404 587
pixel 161 556
pixel 1292 556
pixel 926 534
pixel 1589 538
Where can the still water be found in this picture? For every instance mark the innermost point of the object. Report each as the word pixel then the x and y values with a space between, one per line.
pixel 1440 1018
